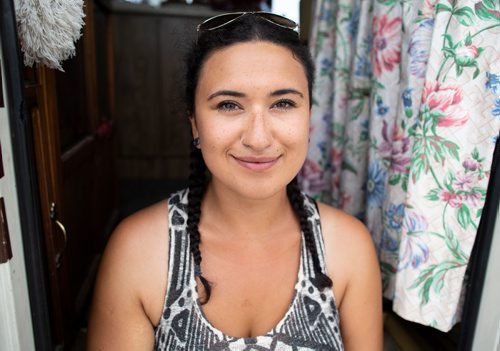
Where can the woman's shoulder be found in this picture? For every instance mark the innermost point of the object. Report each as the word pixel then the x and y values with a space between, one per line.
pixel 136 256
pixel 345 235
pixel 140 230
pixel 341 227
pixel 349 249
pixel 353 266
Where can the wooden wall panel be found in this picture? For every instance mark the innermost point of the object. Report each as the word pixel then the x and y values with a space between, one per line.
pixel 152 126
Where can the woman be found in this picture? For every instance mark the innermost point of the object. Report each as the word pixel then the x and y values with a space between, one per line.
pixel 249 261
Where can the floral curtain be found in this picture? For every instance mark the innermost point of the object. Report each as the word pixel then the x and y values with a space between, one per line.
pixel 405 117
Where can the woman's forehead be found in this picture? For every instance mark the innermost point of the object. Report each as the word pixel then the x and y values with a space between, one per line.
pixel 252 61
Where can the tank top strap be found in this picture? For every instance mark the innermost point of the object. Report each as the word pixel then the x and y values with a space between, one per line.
pixel 179 258
pixel 313 218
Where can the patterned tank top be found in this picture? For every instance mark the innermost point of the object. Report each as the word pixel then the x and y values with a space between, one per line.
pixel 311 322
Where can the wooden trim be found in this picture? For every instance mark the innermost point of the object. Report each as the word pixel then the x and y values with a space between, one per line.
pixel 90 65
pixel 26 187
pixel 46 145
pixel 110 55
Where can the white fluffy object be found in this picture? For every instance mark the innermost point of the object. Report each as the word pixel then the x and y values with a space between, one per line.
pixel 48 30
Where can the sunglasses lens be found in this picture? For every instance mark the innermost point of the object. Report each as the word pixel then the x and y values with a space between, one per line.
pixel 222 20
pixel 279 20
pixel 218 21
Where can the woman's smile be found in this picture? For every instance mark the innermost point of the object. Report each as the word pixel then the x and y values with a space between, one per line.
pixel 257 163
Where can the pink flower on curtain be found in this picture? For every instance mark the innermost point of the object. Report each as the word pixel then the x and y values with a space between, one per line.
pixel 473 198
pixel 464 187
pixel 427 9
pixel 470 164
pixel 386 44
pixel 464 182
pixel 451 198
pixel 443 102
pixel 466 55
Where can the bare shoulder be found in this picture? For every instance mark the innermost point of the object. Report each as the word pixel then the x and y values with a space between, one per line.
pixel 139 245
pixel 353 266
pixel 341 230
pixel 139 241
pixel 131 281
pixel 347 241
pixel 141 233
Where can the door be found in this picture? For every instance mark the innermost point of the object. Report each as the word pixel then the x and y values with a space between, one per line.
pixel 74 147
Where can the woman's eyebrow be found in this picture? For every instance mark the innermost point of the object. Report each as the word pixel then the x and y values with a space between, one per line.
pixel 278 92
pixel 287 91
pixel 226 93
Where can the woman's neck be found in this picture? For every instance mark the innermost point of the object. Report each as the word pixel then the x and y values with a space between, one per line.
pixel 245 217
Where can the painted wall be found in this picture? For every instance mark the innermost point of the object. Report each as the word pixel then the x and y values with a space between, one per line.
pixel 15 317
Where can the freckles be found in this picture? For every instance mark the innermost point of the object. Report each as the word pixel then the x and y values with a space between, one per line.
pixel 295 136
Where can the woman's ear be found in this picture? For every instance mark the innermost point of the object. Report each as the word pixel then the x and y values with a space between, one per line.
pixel 194 128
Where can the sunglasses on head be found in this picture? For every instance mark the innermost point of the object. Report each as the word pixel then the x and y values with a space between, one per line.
pixel 220 21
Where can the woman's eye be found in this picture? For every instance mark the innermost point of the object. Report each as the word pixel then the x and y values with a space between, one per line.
pixel 227 106
pixel 284 104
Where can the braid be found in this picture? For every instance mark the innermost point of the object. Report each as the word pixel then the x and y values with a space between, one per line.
pixel 321 280
pixel 197 183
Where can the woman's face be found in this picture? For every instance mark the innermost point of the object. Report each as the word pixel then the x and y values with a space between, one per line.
pixel 252 117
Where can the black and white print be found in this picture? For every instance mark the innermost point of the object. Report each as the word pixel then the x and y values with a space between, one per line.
pixel 311 323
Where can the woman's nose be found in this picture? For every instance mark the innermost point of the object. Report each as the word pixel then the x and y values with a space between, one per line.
pixel 257 134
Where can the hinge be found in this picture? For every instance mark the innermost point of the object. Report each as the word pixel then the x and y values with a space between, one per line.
pixel 5 249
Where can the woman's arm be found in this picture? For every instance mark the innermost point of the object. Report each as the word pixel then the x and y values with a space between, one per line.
pixel 353 266
pixel 130 285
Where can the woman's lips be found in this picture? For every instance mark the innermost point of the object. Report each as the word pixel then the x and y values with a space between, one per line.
pixel 257 164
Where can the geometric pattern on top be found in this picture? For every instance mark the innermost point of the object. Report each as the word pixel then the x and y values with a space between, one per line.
pixel 311 322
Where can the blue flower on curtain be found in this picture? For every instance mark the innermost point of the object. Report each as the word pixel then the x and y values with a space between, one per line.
pixel 414 223
pixel 353 25
pixel 326 65
pixel 493 82
pixel 496 108
pixel 381 108
pixel 406 96
pixel 395 215
pixel 418 48
pixel 375 185
pixel 413 250
pixel 362 63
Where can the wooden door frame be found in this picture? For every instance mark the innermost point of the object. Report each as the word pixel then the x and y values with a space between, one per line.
pixel 51 161
pixel 44 122
pixel 35 197
pixel 26 180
